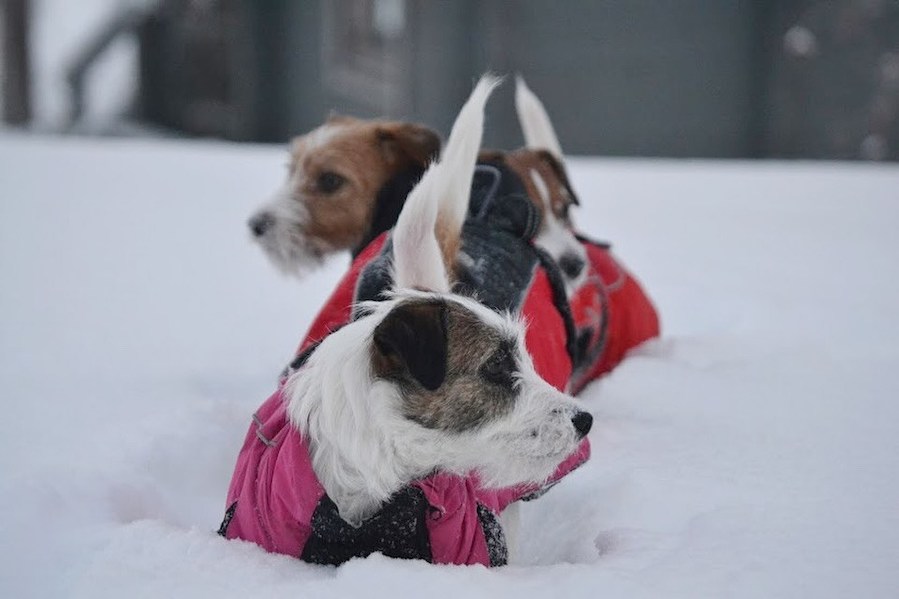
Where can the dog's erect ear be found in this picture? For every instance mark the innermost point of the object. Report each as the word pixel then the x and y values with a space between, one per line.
pixel 429 228
pixel 408 142
pixel 559 169
pixel 534 120
pixel 412 338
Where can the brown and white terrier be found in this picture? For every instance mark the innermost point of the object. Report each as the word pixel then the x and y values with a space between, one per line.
pixel 346 184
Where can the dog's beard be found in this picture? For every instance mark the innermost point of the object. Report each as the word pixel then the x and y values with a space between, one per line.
pixel 519 471
pixel 291 252
pixel 509 469
pixel 525 447
pixel 287 246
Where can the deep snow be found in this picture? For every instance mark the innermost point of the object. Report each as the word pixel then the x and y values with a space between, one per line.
pixel 751 452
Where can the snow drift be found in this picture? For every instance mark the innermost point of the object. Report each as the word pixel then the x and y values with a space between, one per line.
pixel 753 451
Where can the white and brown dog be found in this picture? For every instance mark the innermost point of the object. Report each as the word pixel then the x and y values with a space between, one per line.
pixel 346 183
pixel 426 390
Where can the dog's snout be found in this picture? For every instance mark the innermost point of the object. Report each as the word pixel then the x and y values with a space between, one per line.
pixel 261 223
pixel 571 265
pixel 582 422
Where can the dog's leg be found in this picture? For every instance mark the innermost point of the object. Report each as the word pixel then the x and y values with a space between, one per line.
pixel 511 521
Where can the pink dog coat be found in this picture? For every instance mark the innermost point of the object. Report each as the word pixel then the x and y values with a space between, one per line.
pixel 276 501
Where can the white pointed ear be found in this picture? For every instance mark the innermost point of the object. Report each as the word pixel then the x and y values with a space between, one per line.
pixel 535 124
pixel 429 226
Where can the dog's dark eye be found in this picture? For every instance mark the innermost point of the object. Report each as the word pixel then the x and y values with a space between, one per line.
pixel 499 369
pixel 329 182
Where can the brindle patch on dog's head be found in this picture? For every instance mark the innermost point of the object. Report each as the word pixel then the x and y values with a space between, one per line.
pixel 454 371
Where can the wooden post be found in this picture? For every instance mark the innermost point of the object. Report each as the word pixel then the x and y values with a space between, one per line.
pixel 16 67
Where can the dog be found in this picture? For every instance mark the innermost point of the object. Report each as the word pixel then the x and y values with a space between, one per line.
pixel 408 430
pixel 346 184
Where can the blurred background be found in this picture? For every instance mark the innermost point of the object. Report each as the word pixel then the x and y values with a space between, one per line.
pixel 729 78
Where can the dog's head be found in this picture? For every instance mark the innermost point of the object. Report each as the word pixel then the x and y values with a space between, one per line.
pixel 548 187
pixel 428 380
pixel 460 378
pixel 540 166
pixel 346 183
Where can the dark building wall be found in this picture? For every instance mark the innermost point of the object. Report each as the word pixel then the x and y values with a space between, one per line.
pixel 293 98
pixel 639 78
pixel 632 78
pixel 635 78
pixel 834 80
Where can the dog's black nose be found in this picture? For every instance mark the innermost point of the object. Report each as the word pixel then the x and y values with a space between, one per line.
pixel 571 265
pixel 261 223
pixel 582 422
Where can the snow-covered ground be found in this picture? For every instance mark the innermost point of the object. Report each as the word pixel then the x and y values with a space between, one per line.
pixel 751 452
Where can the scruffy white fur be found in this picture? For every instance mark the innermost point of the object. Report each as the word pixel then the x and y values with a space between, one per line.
pixel 554 237
pixel 292 252
pixel 363 448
